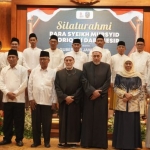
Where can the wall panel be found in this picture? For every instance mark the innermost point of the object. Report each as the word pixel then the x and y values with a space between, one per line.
pixel 5 24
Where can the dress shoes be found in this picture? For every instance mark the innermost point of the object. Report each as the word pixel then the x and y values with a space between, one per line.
pixel 47 145
pixel 20 143
pixel 35 145
pixel 60 145
pixel 72 145
pixel 4 142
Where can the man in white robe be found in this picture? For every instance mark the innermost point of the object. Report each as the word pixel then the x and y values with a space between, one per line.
pixel 106 55
pixel 117 61
pixel 56 55
pixel 42 97
pixel 31 56
pixel 32 53
pixel 141 61
pixel 79 56
pixel 13 81
pixel 14 45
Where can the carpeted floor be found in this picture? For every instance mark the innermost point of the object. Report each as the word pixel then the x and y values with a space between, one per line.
pixel 54 142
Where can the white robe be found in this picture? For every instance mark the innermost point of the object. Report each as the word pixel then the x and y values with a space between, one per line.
pixel 31 56
pixel 117 61
pixel 142 64
pixel 106 56
pixel 21 60
pixel 56 59
pixel 80 58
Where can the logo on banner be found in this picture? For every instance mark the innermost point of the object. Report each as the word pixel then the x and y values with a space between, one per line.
pixel 84 14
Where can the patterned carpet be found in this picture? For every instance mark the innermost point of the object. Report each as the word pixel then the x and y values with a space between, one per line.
pixel 54 142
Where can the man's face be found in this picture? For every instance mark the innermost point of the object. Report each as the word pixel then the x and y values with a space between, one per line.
pixel 33 42
pixel 12 59
pixel 44 62
pixel 53 44
pixel 76 46
pixel 69 61
pixel 14 45
pixel 96 57
pixel 140 46
pixel 100 42
pixel 121 49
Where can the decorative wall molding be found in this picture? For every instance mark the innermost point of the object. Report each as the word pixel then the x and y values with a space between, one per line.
pixel 85 2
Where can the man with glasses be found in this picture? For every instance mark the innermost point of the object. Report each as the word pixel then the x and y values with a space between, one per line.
pixel 141 61
pixel 42 98
pixel 56 55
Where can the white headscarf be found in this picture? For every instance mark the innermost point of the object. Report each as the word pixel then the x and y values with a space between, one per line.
pixel 131 73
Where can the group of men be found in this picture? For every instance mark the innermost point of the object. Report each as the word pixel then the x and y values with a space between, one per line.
pixel 79 84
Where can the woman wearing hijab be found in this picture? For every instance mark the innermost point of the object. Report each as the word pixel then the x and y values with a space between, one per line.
pixel 127 132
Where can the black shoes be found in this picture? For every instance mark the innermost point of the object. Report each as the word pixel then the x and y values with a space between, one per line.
pixel 72 145
pixel 61 145
pixel 20 143
pixel 47 145
pixel 4 142
pixel 35 144
pixel 67 145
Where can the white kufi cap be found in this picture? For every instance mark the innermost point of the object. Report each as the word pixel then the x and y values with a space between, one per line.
pixel 97 49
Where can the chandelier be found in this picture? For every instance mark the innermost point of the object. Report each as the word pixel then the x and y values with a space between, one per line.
pixel 85 1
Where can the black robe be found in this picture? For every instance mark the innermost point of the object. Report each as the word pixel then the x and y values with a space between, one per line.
pixel 69 83
pixel 95 112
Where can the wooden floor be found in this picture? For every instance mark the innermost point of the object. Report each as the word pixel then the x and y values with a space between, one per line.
pixel 54 142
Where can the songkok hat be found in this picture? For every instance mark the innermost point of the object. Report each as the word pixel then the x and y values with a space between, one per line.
pixel 44 54
pixel 100 36
pixel 54 37
pixel 97 49
pixel 68 55
pixel 140 40
pixel 14 39
pixel 32 35
pixel 121 43
pixel 13 52
pixel 77 41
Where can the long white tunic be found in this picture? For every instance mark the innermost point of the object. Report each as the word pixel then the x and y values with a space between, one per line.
pixel 31 56
pixel 106 55
pixel 21 60
pixel 117 61
pixel 141 64
pixel 41 86
pixel 14 80
pixel 56 59
pixel 80 58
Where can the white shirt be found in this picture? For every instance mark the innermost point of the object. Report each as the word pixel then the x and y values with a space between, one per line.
pixel 117 61
pixel 56 59
pixel 106 56
pixel 14 80
pixel 80 58
pixel 21 60
pixel 141 64
pixel 31 56
pixel 41 86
